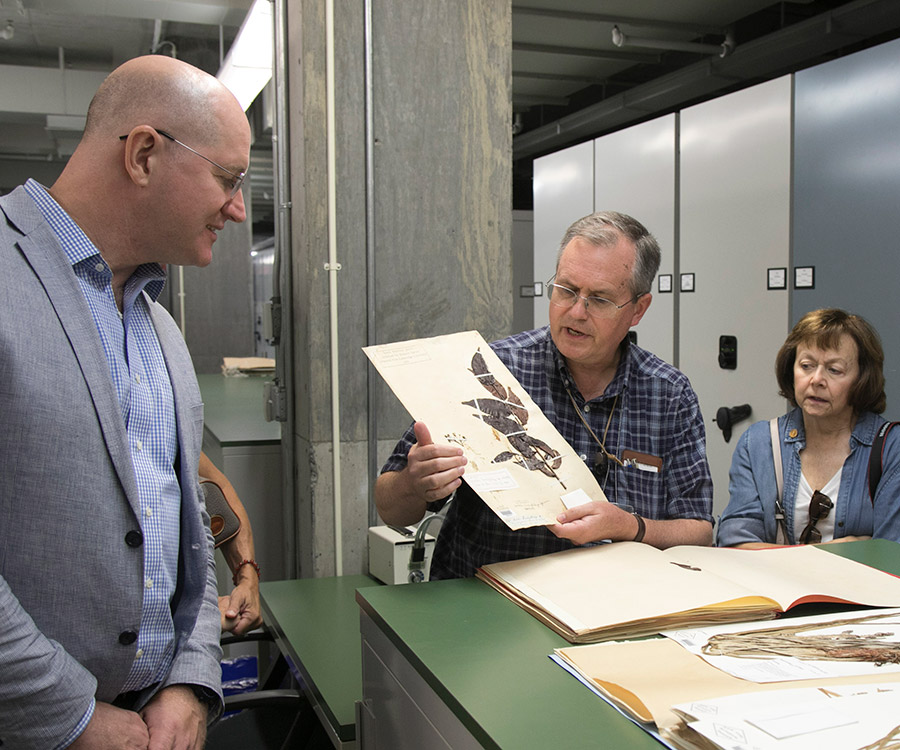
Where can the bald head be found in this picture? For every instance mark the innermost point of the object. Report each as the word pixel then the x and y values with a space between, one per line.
pixel 145 198
pixel 161 92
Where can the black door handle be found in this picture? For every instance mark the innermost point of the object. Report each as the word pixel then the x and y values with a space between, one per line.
pixel 727 417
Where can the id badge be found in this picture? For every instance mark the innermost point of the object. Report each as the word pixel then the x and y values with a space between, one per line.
pixel 642 461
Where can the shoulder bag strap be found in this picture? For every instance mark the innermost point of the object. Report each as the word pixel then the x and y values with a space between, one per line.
pixel 779 478
pixel 876 458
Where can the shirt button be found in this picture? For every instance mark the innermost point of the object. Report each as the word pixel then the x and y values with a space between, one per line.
pixel 139 653
pixel 587 407
pixel 583 456
pixel 99 268
pixel 134 538
pixel 148 583
pixel 148 512
pixel 139 444
pixel 137 378
pixel 127 637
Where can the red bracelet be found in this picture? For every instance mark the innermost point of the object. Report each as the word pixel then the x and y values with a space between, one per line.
pixel 241 565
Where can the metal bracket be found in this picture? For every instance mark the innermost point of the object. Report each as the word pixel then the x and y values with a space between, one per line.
pixel 275 396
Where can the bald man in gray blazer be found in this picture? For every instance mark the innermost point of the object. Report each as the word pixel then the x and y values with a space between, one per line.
pixel 86 539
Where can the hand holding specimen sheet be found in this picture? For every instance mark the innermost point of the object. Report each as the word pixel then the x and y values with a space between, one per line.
pixel 519 464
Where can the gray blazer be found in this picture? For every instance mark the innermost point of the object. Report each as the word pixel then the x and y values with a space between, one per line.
pixel 71 554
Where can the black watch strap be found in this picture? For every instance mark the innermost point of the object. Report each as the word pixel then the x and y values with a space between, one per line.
pixel 208 698
pixel 642 528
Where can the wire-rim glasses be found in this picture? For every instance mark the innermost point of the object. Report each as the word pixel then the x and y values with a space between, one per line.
pixel 819 507
pixel 596 307
pixel 238 176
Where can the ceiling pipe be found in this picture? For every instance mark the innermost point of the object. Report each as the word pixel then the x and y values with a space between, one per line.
pixel 282 390
pixel 157 35
pixel 371 291
pixel 620 39
pixel 333 267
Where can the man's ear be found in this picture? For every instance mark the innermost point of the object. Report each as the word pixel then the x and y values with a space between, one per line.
pixel 640 307
pixel 141 148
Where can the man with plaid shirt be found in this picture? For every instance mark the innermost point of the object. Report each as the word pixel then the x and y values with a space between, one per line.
pixel 633 418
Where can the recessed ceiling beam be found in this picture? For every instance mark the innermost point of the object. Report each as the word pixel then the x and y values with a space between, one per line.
pixel 539 99
pixel 647 23
pixel 573 78
pixel 603 54
pixel 212 12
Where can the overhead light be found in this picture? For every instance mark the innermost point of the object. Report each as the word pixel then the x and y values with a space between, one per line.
pixel 8 31
pixel 626 40
pixel 248 65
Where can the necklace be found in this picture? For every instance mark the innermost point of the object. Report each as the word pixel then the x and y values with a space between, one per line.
pixel 603 457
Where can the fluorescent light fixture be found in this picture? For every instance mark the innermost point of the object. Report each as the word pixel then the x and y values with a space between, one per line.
pixel 248 65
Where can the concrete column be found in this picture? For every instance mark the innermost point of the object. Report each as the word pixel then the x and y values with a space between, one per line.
pixel 442 194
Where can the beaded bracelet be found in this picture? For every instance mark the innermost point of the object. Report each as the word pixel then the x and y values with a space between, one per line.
pixel 241 565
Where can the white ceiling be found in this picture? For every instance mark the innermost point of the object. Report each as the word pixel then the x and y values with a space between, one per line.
pixel 97 31
pixel 60 50
pixel 570 82
pixel 769 39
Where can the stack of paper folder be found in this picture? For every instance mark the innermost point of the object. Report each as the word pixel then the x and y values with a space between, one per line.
pixel 626 590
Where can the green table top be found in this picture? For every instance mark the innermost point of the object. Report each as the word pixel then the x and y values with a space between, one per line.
pixel 233 410
pixel 316 624
pixel 488 660
pixel 483 655
pixel 879 553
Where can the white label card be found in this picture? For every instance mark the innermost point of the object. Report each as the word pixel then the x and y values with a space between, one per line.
pixel 573 499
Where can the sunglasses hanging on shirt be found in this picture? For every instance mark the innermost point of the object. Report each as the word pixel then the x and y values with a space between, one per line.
pixel 819 507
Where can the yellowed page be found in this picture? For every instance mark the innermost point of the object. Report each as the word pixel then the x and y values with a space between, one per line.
pixel 791 575
pixel 592 588
pixel 648 677
pixel 519 464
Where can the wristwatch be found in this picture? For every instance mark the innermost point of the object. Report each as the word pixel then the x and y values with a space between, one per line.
pixel 208 698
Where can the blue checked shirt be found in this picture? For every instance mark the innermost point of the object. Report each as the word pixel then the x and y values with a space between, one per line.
pixel 145 397
pixel 657 413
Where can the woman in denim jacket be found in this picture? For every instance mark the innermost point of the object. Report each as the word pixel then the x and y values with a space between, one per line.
pixel 830 369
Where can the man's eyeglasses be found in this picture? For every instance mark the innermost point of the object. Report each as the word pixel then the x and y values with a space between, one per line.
pixel 238 177
pixel 819 507
pixel 596 307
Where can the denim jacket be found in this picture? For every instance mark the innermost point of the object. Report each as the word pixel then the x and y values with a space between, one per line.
pixel 750 515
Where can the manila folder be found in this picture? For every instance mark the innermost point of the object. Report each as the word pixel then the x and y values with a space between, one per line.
pixel 646 678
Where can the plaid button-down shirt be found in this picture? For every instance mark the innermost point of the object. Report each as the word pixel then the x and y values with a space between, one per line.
pixel 656 413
